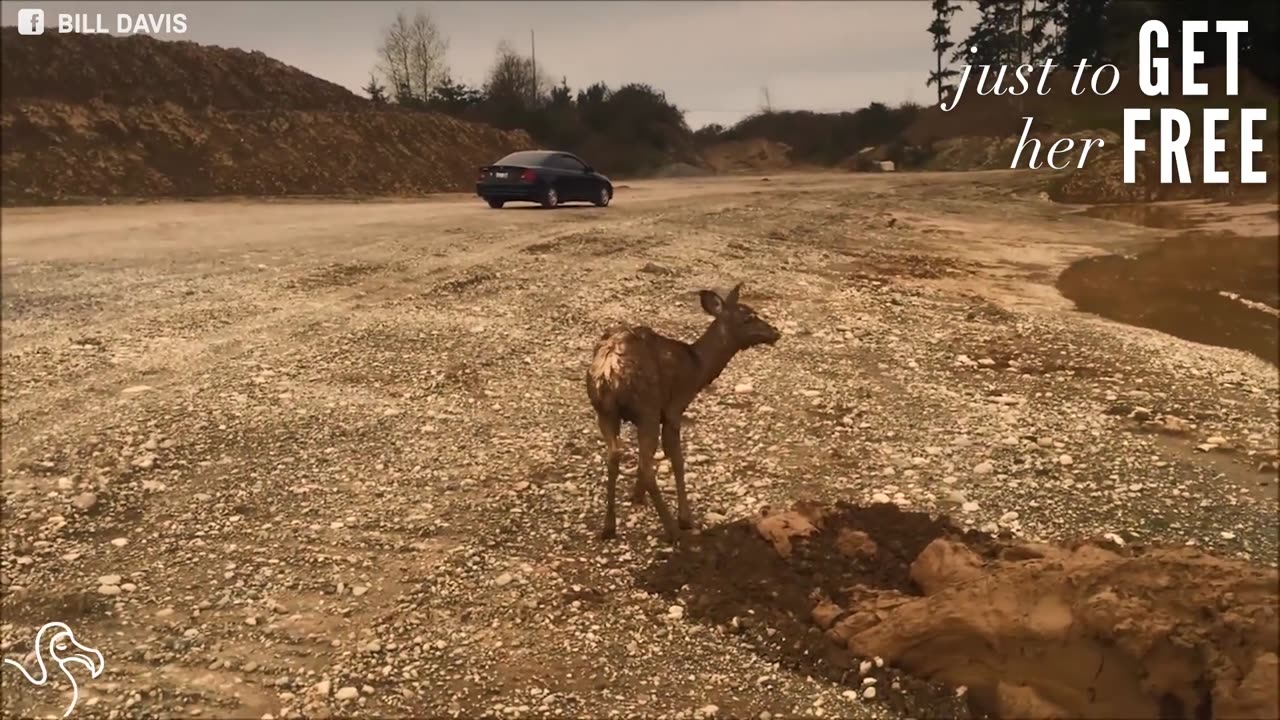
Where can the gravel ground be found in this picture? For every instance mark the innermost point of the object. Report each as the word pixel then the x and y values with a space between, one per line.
pixel 313 459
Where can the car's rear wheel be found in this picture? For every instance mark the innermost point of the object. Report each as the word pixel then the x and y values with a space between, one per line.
pixel 495 203
pixel 602 199
pixel 550 198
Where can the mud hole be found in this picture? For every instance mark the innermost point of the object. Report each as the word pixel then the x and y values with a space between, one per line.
pixel 1028 630
pixel 1208 288
pixel 729 576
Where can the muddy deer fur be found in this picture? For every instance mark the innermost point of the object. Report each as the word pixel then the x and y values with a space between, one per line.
pixel 648 380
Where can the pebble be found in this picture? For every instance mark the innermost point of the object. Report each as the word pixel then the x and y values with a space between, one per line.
pixel 1065 459
pixel 864 667
pixel 708 711
pixel 347 693
pixel 743 388
pixel 970 506
pixel 675 612
pixel 503 579
pixel 879 498
pixel 109 580
pixel 109 589
pixel 120 542
pixel 869 693
pixel 85 501
pixel 984 468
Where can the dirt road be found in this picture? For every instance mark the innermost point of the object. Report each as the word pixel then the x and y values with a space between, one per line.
pixel 336 458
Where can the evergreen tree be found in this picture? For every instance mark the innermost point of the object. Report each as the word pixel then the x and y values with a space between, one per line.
pixel 940 29
pixel 376 91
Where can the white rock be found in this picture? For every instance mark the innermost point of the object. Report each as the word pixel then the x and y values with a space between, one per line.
pixel 675 612
pixel 869 692
pixel 864 667
pixel 743 388
pixel 1065 459
pixel 970 507
pixel 120 542
pixel 1008 517
pixel 1228 535
pixel 708 711
pixel 321 688
pixel 135 389
pixel 984 468
pixel 503 579
pixel 347 693
pixel 109 580
pixel 879 498
pixel 108 590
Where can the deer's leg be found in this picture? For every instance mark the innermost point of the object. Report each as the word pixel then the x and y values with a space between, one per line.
pixel 648 472
pixel 671 446
pixel 609 428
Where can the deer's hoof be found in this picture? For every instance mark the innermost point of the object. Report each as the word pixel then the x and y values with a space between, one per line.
pixel 686 522
pixel 608 533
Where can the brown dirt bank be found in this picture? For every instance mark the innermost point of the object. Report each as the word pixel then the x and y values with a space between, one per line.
pixel 55 151
pixel 1209 288
pixel 1029 630
pixel 76 68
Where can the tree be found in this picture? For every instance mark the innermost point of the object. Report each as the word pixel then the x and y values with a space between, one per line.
pixel 376 91
pixel 412 56
pixel 453 97
pixel 995 36
pixel 940 29
pixel 512 80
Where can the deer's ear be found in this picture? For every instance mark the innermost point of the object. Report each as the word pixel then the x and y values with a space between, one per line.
pixel 732 297
pixel 711 302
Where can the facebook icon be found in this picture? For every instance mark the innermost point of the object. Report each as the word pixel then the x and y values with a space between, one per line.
pixel 31 21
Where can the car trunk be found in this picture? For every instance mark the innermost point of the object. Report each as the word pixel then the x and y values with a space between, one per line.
pixel 502 174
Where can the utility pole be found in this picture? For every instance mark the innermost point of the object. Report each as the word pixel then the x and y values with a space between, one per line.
pixel 533 55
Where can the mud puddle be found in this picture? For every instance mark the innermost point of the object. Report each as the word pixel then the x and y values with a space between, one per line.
pixel 1217 289
pixel 1147 215
pixel 948 624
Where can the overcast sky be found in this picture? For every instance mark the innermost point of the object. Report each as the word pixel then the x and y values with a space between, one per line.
pixel 713 59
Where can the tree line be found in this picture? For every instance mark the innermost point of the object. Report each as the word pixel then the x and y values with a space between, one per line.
pixel 1016 32
pixel 627 130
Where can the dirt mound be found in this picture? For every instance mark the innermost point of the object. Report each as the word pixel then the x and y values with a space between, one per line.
pixel 1029 630
pixel 76 124
pixel 57 152
pixel 75 68
pixel 1101 180
pixel 747 156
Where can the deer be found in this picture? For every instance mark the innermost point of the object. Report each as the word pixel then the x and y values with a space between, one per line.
pixel 647 379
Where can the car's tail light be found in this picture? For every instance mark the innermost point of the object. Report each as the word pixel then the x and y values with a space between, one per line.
pixel 480 174
pixel 528 176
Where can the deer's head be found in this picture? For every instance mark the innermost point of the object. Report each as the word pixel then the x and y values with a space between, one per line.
pixel 742 326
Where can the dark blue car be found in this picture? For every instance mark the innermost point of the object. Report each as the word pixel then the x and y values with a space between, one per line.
pixel 547 177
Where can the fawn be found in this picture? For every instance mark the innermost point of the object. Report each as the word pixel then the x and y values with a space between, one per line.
pixel 648 380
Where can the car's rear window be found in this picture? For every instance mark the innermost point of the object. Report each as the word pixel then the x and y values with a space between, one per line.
pixel 525 157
